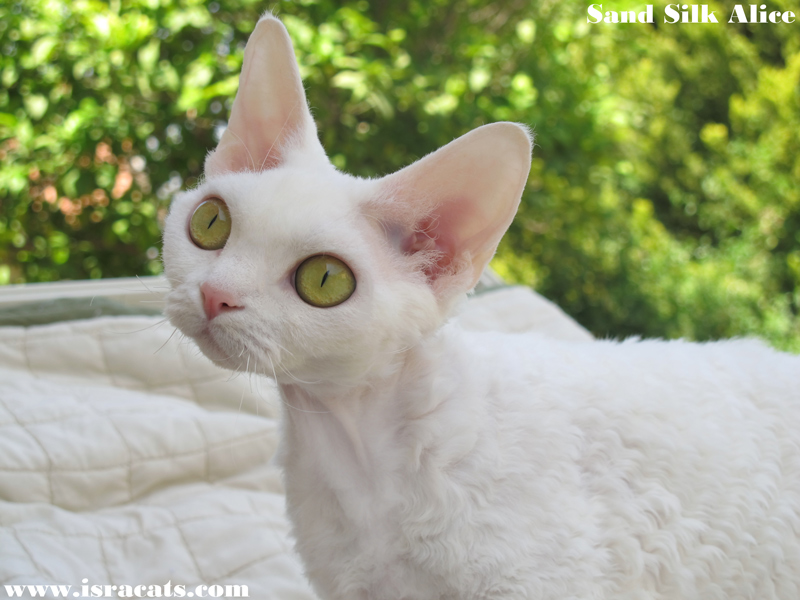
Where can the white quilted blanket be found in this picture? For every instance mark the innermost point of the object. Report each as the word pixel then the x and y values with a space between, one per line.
pixel 128 458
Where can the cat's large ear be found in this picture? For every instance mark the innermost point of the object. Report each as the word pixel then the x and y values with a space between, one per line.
pixel 453 206
pixel 270 116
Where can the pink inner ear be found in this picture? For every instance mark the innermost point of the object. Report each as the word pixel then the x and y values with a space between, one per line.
pixel 431 236
pixel 270 114
pixel 454 205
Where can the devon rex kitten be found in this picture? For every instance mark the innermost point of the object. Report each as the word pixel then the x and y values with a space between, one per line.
pixel 426 462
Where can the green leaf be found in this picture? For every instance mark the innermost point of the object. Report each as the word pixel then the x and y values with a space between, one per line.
pixel 198 75
pixel 7 120
pixel 41 51
pixel 10 75
pixel 148 55
pixel 35 105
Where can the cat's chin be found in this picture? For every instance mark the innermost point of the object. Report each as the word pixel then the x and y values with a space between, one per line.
pixel 218 354
pixel 236 355
pixel 214 352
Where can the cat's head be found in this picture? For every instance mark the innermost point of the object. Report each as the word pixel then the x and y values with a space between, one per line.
pixel 280 263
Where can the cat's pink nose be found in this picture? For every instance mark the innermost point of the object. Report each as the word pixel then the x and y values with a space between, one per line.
pixel 216 301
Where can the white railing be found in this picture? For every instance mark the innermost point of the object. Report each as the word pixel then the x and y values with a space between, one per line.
pixel 133 291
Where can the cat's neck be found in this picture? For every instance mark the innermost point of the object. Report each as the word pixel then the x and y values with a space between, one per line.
pixel 365 419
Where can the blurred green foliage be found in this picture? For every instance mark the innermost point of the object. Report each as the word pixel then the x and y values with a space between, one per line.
pixel 664 198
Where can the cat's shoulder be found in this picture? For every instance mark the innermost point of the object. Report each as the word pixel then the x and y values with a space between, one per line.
pixel 633 361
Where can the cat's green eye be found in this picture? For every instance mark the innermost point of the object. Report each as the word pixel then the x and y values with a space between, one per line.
pixel 210 224
pixel 324 281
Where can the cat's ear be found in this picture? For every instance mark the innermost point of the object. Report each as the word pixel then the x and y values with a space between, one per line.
pixel 453 206
pixel 270 116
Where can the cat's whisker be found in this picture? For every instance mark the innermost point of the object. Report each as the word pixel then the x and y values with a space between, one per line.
pixel 234 374
pixel 317 412
pixel 247 370
pixel 171 335
pixel 144 285
pixel 398 351
pixel 156 325
pixel 283 349
pixel 156 287
pixel 289 373
pixel 250 378
pixel 259 391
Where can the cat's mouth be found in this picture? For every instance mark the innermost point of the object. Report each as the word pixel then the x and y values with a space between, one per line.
pixel 214 350
pixel 211 348
pixel 235 350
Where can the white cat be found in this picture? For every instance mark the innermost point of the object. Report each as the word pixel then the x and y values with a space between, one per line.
pixel 426 462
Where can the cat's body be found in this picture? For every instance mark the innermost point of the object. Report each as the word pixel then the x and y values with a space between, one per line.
pixel 513 466
pixel 426 462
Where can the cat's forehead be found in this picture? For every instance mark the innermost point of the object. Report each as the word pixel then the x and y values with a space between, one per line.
pixel 285 191
pixel 288 202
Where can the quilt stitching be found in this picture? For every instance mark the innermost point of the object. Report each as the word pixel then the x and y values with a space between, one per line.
pixel 140 384
pixel 31 558
pixel 215 446
pixel 110 421
pixel 104 557
pixel 239 569
pixel 100 535
pixel 111 413
pixel 186 545
pixel 49 470
pixel 207 449
pixel 104 357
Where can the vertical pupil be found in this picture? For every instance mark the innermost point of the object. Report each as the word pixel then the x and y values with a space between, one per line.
pixel 212 221
pixel 324 277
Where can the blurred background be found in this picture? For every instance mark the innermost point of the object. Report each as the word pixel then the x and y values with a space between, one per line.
pixel 664 198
